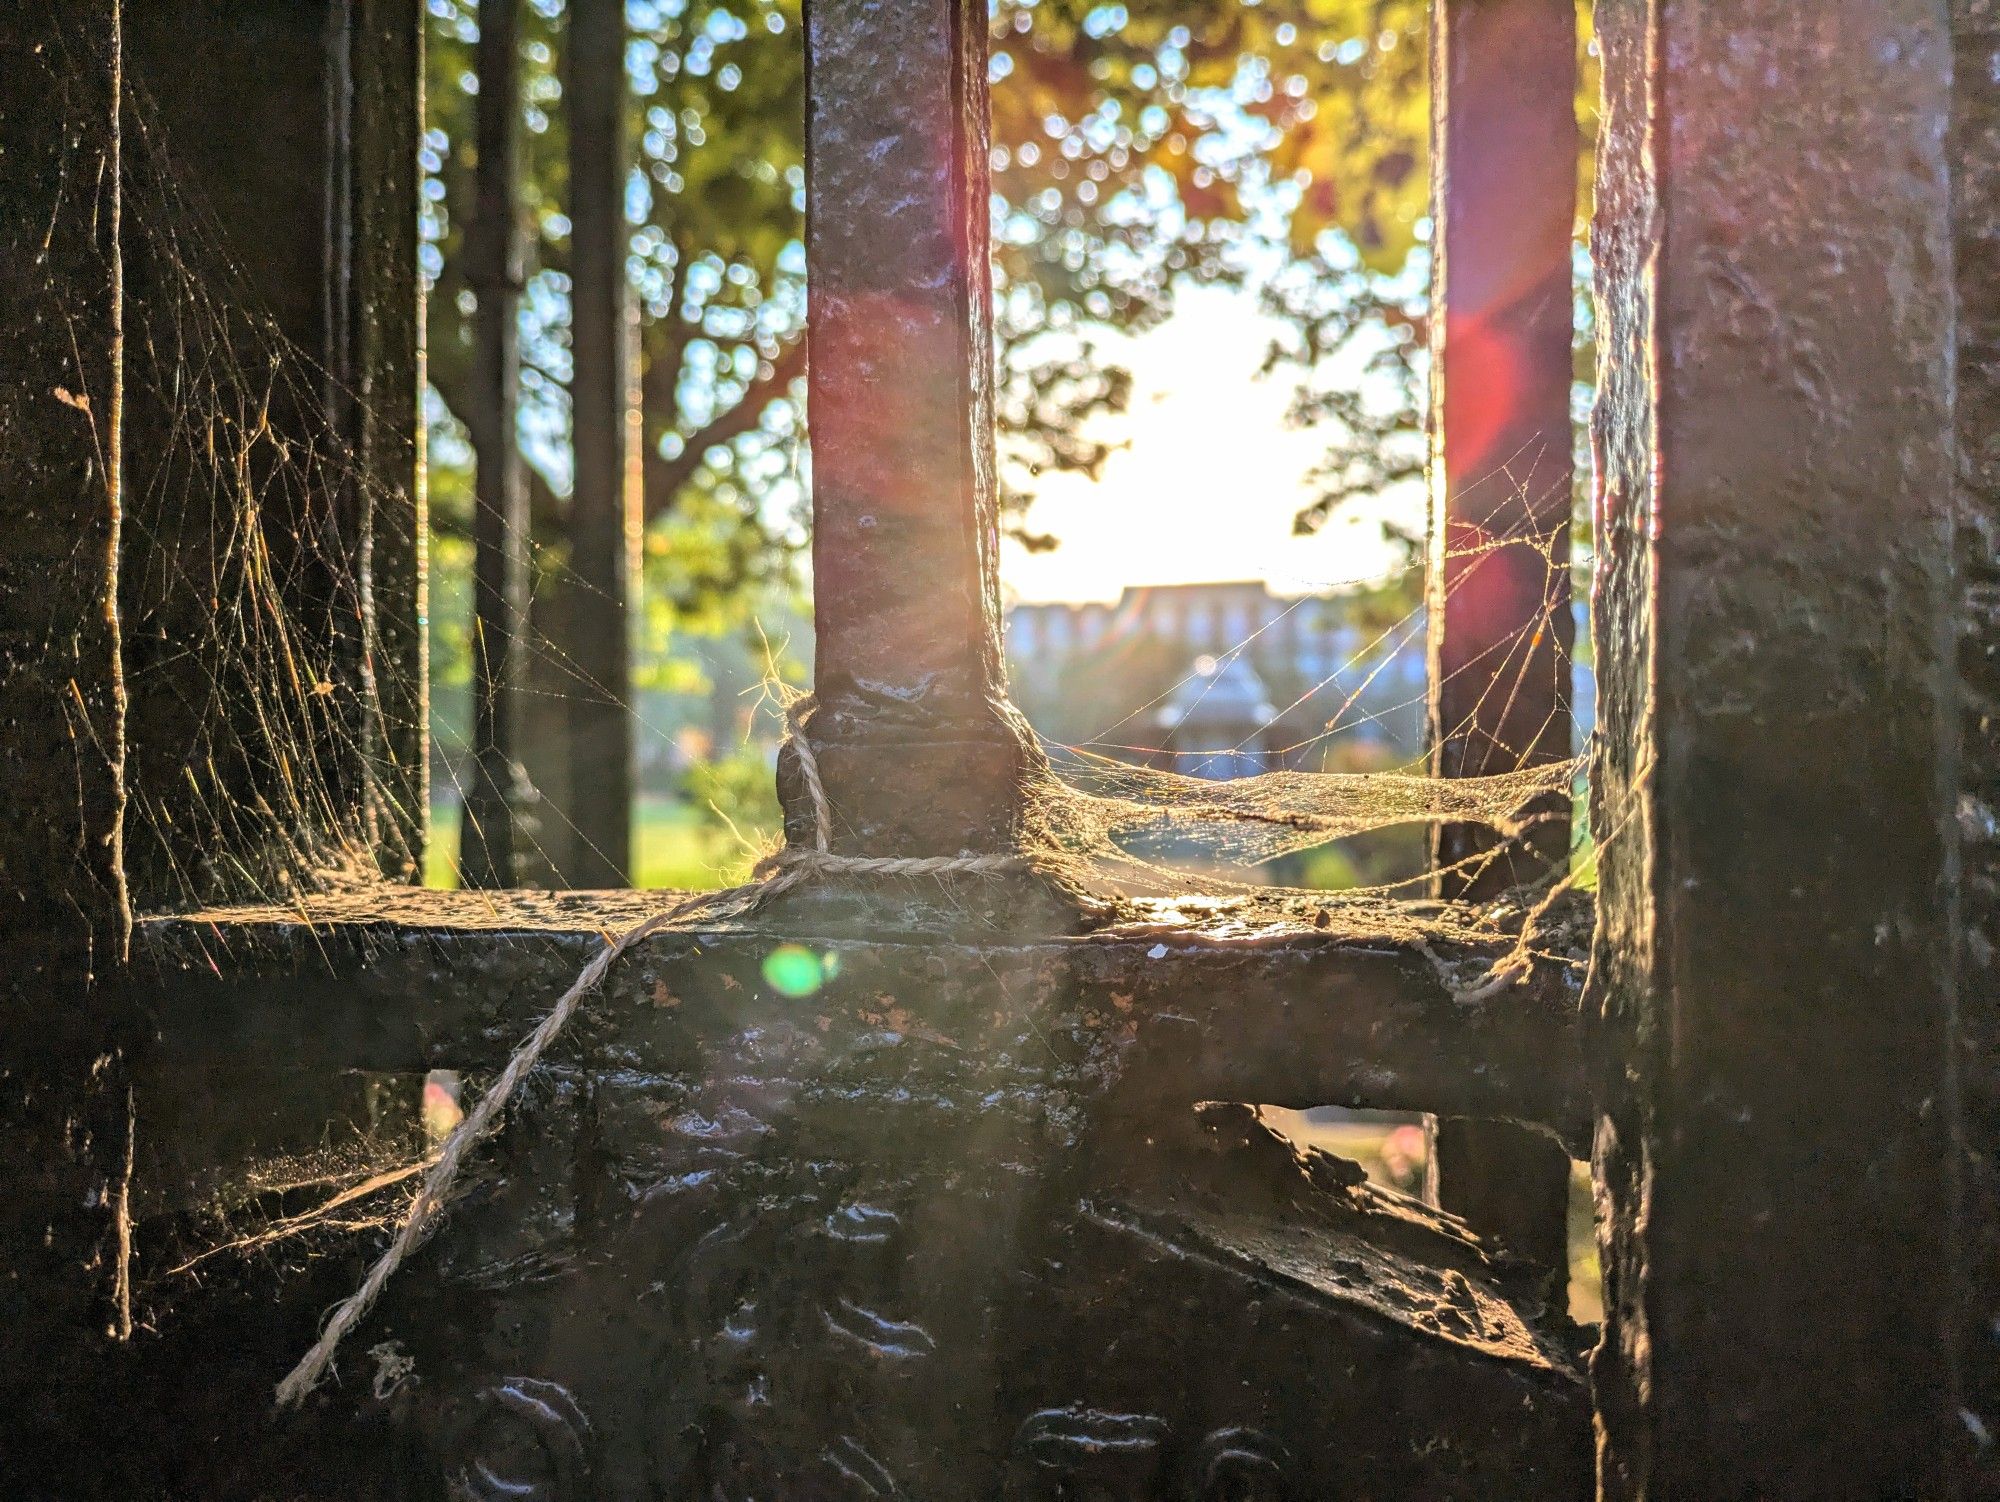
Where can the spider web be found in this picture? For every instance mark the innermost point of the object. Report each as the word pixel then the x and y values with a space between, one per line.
pixel 266 761
pixel 264 749
pixel 265 766
pixel 1156 817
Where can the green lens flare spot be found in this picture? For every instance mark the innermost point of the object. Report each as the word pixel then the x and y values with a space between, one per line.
pixel 793 970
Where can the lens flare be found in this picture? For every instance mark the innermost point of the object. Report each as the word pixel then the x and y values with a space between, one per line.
pixel 793 970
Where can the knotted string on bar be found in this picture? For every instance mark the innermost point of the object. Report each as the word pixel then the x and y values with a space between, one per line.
pixel 778 874
pixel 1102 823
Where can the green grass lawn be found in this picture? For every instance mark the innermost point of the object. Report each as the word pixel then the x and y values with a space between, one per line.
pixel 678 846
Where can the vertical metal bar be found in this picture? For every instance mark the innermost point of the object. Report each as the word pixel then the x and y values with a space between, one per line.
pixel 604 511
pixel 1976 211
pixel 387 79
pixel 238 281
pixel 1504 162
pixel 65 917
pixel 500 516
pixel 1775 793
pixel 920 752
pixel 62 695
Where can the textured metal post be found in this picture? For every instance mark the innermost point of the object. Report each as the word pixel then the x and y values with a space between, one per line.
pixel 604 511
pixel 919 751
pixel 65 922
pixel 386 45
pixel 272 627
pixel 1504 151
pixel 244 126
pixel 1775 787
pixel 1976 198
pixel 500 515
pixel 62 697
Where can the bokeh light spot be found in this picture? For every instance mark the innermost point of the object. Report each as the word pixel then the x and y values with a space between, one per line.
pixel 793 970
pixel 441 1104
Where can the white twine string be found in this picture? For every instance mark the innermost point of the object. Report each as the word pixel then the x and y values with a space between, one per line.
pixel 780 873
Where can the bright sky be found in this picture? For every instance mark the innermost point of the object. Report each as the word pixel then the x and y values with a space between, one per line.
pixel 1211 480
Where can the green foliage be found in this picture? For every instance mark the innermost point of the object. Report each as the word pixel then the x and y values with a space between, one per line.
pixel 1139 144
pixel 677 846
pixel 717 191
pixel 1211 105
pixel 450 578
pixel 742 790
pixel 1134 144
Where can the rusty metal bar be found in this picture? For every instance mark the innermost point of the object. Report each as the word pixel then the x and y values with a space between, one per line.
pixel 604 511
pixel 920 753
pixel 1504 160
pixel 1775 791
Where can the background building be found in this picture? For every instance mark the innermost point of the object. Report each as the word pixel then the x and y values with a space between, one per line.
pixel 1219 680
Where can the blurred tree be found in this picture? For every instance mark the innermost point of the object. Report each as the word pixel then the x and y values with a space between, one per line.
pixel 1277 142
pixel 1280 141
pixel 1355 294
pixel 1280 144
